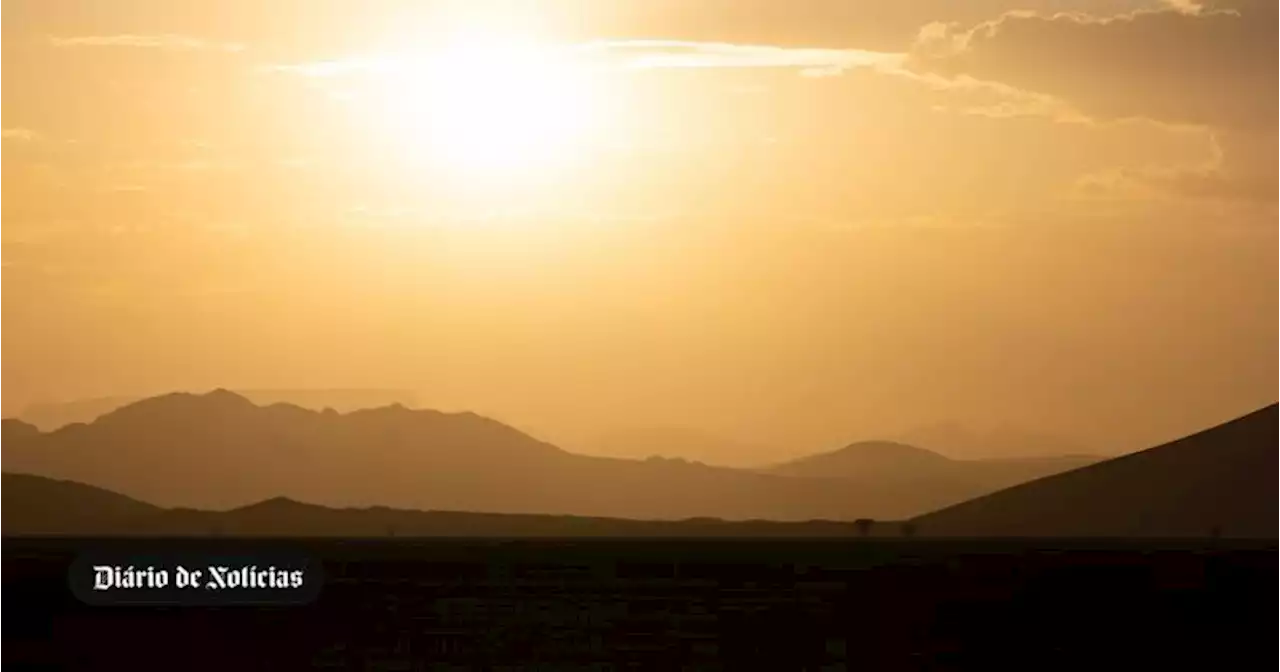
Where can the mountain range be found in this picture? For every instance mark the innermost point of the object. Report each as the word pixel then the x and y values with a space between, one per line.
pixel 49 416
pixel 220 450
pixel 1214 483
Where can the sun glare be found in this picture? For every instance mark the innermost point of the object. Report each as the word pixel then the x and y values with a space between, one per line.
pixel 488 107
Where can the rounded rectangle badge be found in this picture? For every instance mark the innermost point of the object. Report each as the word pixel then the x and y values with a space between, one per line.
pixel 273 578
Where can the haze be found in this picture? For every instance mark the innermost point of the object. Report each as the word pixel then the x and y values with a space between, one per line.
pixel 792 224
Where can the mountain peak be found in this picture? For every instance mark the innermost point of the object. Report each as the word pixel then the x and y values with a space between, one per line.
pixel 891 449
pixel 275 504
pixel 223 395
pixel 878 454
pixel 15 429
pixel 218 401
pixel 865 458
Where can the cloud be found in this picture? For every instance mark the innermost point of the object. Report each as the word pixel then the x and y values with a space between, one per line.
pixel 877 25
pixel 1235 171
pixel 1185 5
pixel 172 42
pixel 647 54
pixel 1196 64
pixel 1214 67
pixel 20 134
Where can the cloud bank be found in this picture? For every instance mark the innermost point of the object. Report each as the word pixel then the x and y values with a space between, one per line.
pixel 1207 66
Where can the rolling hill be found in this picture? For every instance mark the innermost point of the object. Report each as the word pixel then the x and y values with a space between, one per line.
pixel 37 505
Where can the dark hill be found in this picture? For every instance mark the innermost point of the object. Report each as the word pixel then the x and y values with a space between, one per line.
pixel 1222 479
pixel 34 505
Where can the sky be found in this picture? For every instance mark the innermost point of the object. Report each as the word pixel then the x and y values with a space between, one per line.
pixel 796 223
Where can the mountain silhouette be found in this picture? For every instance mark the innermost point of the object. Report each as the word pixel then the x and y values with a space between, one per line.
pixel 51 416
pixel 907 467
pixel 1218 481
pixel 219 451
pixel 18 430
pixel 38 506
pixel 866 457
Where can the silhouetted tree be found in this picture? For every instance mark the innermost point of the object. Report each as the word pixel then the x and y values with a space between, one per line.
pixel 908 529
pixel 864 526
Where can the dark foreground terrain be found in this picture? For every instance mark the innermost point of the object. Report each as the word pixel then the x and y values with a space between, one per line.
pixel 793 604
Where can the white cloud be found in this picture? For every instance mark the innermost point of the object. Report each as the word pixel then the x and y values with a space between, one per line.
pixel 645 54
pixel 649 54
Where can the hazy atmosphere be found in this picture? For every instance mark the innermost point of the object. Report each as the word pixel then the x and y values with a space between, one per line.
pixel 786 226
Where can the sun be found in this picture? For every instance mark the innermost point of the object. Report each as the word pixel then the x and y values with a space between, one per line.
pixel 488 107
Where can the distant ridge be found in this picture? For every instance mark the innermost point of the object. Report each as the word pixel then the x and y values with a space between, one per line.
pixel 671 442
pixel 37 506
pixel 1218 481
pixel 51 416
pixel 913 468
pixel 865 457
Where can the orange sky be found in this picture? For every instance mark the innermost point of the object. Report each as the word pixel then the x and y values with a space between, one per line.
pixel 800 223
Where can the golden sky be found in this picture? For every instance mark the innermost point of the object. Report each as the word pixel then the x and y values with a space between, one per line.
pixel 801 222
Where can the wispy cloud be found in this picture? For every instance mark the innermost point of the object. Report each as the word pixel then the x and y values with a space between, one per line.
pixel 20 134
pixel 647 54
pixel 174 42
pixel 1188 6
